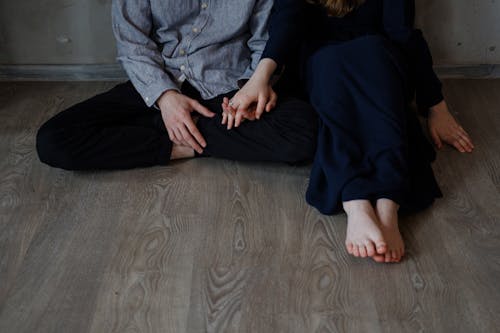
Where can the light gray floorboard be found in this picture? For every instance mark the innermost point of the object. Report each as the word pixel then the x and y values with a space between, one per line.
pixel 217 246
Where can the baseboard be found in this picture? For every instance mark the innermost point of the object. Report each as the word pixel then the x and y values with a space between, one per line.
pixel 469 72
pixel 101 72
pixel 114 72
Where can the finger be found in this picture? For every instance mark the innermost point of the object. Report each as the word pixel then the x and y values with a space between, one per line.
pixel 243 104
pixel 230 121
pixel 195 133
pixel 232 111
pixel 466 136
pixel 458 145
pixel 228 109
pixel 225 105
pixel 201 109
pixel 463 131
pixel 272 102
pixel 238 118
pixel 224 118
pixel 172 136
pixel 465 142
pixel 436 139
pixel 261 104
pixel 189 139
pixel 178 137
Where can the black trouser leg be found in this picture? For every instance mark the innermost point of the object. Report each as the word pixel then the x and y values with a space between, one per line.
pixel 113 130
pixel 286 134
pixel 116 130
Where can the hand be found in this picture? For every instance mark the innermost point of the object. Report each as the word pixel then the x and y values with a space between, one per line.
pixel 176 110
pixel 249 103
pixel 444 128
pixel 229 114
pixel 256 96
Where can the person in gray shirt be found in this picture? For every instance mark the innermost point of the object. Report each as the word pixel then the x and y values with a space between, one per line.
pixel 185 60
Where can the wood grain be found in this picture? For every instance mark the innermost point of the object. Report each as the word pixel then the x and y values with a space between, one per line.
pixel 210 245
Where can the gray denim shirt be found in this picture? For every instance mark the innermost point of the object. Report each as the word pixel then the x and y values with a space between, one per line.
pixel 210 43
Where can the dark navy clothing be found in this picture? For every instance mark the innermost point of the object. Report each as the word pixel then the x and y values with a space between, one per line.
pixel 296 24
pixel 361 73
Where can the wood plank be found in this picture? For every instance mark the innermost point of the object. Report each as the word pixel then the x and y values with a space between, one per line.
pixel 210 245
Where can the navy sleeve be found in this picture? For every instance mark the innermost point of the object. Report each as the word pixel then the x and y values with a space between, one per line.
pixel 285 31
pixel 398 20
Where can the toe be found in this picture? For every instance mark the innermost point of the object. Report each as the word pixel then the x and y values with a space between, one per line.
pixel 349 247
pixel 379 258
pixel 394 254
pixel 355 251
pixel 362 251
pixel 370 249
pixel 381 247
pixel 388 257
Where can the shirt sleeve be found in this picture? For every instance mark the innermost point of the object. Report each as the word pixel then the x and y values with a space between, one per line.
pixel 137 52
pixel 285 30
pixel 259 34
pixel 398 21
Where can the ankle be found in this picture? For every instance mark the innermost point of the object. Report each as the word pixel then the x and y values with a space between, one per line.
pixel 387 206
pixel 181 152
pixel 358 206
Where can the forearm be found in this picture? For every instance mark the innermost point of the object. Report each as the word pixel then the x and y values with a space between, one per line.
pixel 285 30
pixel 265 70
pixel 399 27
pixel 137 52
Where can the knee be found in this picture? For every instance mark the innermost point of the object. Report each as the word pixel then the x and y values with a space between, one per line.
pixel 51 148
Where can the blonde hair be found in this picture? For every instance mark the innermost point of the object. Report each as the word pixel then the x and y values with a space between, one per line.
pixel 338 8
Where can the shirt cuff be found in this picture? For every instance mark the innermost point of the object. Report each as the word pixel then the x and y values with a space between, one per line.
pixel 152 92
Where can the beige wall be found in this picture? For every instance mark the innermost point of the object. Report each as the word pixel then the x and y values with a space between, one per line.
pixel 56 32
pixel 79 31
pixel 461 31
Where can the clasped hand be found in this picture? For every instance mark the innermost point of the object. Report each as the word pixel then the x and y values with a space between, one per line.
pixel 249 103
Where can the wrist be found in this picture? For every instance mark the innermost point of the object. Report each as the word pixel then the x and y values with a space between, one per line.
pixel 441 106
pixel 264 71
pixel 165 96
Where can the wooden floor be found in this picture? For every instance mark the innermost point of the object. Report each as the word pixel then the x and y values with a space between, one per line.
pixel 217 246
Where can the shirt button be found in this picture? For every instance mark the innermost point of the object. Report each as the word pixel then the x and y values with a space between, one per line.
pixel 147 99
pixel 195 30
pixel 183 68
pixel 204 6
pixel 182 52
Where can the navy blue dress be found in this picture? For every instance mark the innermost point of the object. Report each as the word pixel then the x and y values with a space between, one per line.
pixel 361 73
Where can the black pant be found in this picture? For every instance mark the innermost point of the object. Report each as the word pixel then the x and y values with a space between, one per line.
pixel 116 130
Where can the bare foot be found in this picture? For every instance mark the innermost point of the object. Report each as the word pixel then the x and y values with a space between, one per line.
pixel 387 212
pixel 180 152
pixel 364 237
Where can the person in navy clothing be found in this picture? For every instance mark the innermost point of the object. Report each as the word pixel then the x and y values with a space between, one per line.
pixel 361 63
